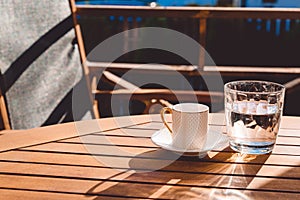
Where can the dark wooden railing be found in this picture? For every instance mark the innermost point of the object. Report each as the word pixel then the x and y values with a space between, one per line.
pixel 284 74
pixel 202 14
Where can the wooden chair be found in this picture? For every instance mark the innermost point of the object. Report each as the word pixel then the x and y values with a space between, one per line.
pixel 149 97
pixel 41 64
pixel 201 15
pixel 127 89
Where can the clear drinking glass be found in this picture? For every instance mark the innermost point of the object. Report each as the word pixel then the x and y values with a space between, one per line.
pixel 253 111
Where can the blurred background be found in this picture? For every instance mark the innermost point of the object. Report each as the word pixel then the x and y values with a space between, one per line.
pixel 233 42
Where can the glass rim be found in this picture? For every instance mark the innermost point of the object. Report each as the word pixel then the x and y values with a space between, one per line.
pixel 227 89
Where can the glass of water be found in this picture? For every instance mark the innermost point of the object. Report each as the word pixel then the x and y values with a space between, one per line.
pixel 253 111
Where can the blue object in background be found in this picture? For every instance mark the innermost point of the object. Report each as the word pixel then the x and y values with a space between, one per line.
pixel 287 25
pixel 147 2
pixel 246 3
pixel 275 3
pixel 114 2
pixel 268 25
pixel 277 27
pixel 187 2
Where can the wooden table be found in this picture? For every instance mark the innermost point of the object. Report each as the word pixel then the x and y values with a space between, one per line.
pixel 119 161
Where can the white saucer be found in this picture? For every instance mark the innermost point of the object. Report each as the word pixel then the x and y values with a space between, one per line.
pixel 215 140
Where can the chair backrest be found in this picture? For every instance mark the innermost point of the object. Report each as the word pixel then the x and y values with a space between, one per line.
pixel 40 62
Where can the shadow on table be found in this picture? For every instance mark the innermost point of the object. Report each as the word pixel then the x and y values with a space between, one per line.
pixel 154 174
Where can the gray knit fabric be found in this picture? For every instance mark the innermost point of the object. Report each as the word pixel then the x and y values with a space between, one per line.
pixel 38 59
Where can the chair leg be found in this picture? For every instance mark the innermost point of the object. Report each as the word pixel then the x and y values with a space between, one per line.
pixel 96 109
pixel 4 113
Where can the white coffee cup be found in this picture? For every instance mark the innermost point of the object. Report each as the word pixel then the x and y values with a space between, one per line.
pixel 189 125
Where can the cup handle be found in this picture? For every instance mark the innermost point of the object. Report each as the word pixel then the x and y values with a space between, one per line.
pixel 162 115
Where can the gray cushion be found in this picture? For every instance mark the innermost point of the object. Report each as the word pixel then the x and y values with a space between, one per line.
pixel 38 59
